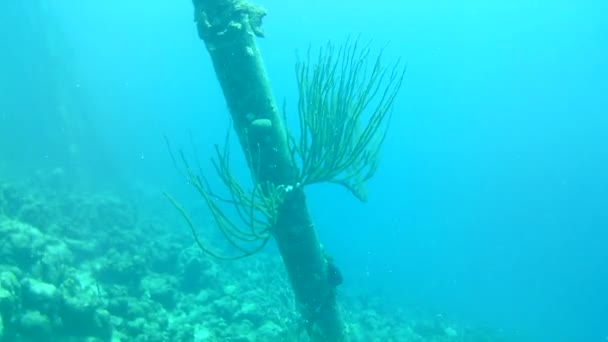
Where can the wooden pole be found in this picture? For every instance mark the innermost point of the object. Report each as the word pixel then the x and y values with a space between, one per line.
pixel 229 29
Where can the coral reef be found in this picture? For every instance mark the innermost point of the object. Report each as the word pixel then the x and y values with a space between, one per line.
pixel 82 267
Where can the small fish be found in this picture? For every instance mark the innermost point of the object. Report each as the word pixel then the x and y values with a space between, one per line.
pixel 334 276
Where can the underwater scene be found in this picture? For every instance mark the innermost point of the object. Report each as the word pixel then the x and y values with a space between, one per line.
pixel 304 171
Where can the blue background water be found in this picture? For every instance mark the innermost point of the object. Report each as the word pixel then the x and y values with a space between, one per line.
pixel 490 205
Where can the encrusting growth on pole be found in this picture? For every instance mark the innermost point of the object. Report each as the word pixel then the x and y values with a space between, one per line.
pixel 344 110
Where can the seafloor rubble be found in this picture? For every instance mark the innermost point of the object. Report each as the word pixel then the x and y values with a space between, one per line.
pixel 76 266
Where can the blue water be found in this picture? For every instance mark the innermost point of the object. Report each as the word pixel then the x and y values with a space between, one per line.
pixel 490 204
